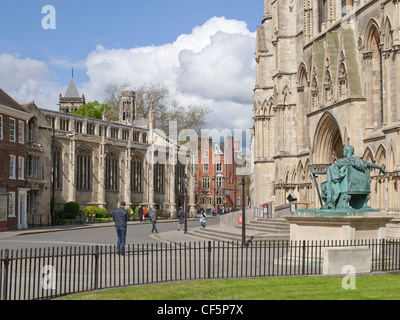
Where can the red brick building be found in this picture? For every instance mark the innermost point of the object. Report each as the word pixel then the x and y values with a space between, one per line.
pixel 218 186
pixel 13 155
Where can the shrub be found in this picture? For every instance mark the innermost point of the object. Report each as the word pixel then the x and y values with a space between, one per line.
pixel 95 212
pixel 101 213
pixel 72 209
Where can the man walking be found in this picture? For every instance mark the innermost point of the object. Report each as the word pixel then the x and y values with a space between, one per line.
pixel 140 212
pixel 153 219
pixel 121 217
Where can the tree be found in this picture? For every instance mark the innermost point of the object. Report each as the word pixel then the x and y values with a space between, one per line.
pixel 193 117
pixel 113 91
pixel 157 96
pixel 92 110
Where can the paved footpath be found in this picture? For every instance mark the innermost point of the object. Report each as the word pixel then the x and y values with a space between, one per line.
pixel 99 234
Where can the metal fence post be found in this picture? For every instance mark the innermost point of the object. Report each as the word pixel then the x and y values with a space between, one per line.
pixel 6 261
pixel 96 267
pixel 304 258
pixel 383 255
pixel 209 261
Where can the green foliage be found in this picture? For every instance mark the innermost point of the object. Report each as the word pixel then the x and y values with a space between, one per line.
pixel 92 110
pixel 94 211
pixel 135 213
pixel 72 209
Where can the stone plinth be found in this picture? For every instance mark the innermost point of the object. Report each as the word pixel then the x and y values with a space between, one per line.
pixel 320 225
pixel 336 259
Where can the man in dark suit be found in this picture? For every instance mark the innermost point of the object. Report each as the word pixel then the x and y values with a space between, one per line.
pixel 121 218
pixel 140 212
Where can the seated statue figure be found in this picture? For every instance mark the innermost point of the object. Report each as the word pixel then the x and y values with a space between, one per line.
pixel 348 183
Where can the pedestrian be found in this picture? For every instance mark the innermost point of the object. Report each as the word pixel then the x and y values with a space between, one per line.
pixel 140 212
pixel 121 218
pixel 203 218
pixel 181 217
pixel 153 219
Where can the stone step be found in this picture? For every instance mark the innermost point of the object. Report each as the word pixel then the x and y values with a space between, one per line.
pixel 267 229
pixel 272 222
pixel 279 226
pixel 218 234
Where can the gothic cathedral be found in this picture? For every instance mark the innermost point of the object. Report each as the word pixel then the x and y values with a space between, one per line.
pixel 328 75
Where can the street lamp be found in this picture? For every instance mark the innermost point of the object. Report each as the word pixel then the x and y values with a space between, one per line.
pixel 185 202
pixel 243 214
pixel 53 186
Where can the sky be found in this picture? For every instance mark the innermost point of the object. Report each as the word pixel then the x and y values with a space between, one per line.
pixel 202 51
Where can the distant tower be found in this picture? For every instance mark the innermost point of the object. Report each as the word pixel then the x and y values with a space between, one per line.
pixel 71 100
pixel 127 107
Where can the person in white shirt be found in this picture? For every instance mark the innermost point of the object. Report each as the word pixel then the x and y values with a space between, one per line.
pixel 203 218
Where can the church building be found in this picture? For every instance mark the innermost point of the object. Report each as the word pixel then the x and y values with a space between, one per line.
pixel 100 163
pixel 328 75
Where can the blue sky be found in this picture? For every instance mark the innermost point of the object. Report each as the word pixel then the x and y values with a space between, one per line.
pixel 95 36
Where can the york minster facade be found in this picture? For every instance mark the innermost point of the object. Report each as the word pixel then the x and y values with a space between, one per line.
pixel 328 75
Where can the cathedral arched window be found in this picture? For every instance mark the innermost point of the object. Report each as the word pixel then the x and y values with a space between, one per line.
pixel 180 179
pixel 159 178
pixel 112 172
pixel 374 71
pixel 84 170
pixel 137 174
pixel 57 168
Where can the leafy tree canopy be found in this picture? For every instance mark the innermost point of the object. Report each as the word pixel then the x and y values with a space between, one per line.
pixel 92 110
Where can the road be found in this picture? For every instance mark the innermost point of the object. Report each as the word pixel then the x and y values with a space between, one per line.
pixel 136 234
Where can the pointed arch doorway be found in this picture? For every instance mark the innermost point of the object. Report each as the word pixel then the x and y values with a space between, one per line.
pixel 328 142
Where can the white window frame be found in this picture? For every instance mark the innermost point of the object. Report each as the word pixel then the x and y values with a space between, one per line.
pixel 21 132
pixel 13 167
pixel 21 168
pixel 11 204
pixel 12 130
pixel 1 127
pixel 3 206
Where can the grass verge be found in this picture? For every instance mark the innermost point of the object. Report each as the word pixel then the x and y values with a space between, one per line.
pixel 385 287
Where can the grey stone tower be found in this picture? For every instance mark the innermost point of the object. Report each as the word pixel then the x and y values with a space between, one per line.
pixel 71 100
pixel 127 107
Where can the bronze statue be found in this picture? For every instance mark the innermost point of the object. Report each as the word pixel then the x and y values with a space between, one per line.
pixel 349 183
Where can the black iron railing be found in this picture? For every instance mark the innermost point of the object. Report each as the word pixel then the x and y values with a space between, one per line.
pixel 47 273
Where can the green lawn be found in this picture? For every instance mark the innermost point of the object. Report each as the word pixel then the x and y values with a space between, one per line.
pixel 386 287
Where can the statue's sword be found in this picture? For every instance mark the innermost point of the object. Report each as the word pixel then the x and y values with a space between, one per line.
pixel 318 191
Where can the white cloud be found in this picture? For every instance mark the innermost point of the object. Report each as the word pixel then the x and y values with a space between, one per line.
pixel 22 79
pixel 212 66
pixel 221 71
